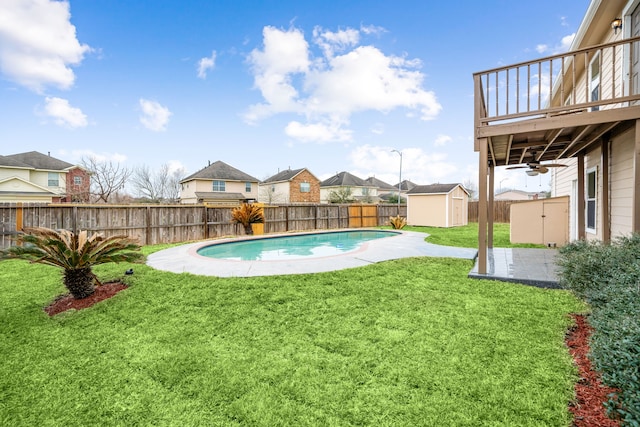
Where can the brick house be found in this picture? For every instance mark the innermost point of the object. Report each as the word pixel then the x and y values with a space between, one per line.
pixel 290 186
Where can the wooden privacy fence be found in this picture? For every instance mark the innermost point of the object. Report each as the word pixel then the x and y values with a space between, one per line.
pixel 153 224
pixel 501 210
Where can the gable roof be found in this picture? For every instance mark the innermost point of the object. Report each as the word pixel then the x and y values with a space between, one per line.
pixel 286 175
pixel 406 185
pixel 344 179
pixel 222 171
pixel 435 189
pixel 372 180
pixel 38 160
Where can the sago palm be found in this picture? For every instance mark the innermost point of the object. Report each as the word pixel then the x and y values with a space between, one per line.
pixel 247 214
pixel 74 253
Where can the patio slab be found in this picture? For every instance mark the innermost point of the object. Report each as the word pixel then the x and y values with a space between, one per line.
pixel 529 266
pixel 185 259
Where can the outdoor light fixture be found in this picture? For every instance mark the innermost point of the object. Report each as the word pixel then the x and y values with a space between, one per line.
pixel 616 24
pixel 532 172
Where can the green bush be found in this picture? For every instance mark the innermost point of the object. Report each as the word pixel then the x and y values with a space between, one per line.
pixel 607 276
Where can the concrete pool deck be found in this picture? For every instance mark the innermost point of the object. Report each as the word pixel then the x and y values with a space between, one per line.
pixel 185 259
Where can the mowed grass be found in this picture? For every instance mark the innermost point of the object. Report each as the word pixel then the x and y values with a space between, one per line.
pixel 467 236
pixel 411 342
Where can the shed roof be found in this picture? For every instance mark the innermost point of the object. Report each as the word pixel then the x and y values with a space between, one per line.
pixel 435 189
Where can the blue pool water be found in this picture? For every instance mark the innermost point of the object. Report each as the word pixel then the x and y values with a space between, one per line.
pixel 293 247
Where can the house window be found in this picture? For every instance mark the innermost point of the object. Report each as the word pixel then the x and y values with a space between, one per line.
pixel 218 186
pixel 305 187
pixel 54 179
pixel 247 187
pixel 594 81
pixel 77 180
pixel 592 190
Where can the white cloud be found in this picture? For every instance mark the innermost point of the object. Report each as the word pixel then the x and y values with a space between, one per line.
pixel 64 114
pixel 38 43
pixel 345 79
pixel 442 140
pixel 542 48
pixel 101 157
pixel 339 41
pixel 154 116
pixel 418 165
pixel 317 132
pixel 206 64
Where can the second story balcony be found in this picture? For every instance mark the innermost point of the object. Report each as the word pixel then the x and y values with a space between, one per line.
pixel 556 107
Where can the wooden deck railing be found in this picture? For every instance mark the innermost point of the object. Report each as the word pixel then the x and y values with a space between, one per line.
pixel 558 84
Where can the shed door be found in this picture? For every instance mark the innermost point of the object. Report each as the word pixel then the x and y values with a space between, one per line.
pixel 554 223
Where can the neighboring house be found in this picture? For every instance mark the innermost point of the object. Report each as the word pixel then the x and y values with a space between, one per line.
pixel 584 113
pixel 346 184
pixel 219 183
pixel 438 205
pixel 37 177
pixel 520 195
pixel 385 191
pixel 290 186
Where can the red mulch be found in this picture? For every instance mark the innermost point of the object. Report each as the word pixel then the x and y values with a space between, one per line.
pixel 588 408
pixel 67 302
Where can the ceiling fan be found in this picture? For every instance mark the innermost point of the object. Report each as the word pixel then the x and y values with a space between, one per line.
pixel 535 167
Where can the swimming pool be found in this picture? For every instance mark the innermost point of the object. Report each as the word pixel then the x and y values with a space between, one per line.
pixel 300 246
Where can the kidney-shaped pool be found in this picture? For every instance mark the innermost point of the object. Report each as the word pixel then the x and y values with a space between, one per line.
pixel 299 246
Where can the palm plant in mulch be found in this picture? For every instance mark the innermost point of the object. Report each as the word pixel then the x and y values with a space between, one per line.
pixel 397 222
pixel 247 214
pixel 75 254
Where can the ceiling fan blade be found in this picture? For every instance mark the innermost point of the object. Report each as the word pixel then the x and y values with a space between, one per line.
pixel 517 167
pixel 555 165
pixel 542 169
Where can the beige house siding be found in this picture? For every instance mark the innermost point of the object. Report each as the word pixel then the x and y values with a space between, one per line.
pixel 189 189
pixel 17 190
pixel 543 221
pixel 621 183
pixel 10 173
pixel 274 192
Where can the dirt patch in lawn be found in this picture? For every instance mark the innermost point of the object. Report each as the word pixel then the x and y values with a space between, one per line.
pixel 67 302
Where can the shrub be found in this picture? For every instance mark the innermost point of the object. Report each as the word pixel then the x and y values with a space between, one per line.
pixel 397 222
pixel 74 253
pixel 607 276
pixel 247 214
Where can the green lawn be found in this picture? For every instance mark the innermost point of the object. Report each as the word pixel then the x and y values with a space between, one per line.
pixel 467 236
pixel 400 343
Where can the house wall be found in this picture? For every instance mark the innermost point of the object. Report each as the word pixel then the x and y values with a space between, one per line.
pixel 274 192
pixel 621 184
pixel 296 196
pixel 15 190
pixel 189 189
pixel 428 210
pixel 10 173
pixel 77 193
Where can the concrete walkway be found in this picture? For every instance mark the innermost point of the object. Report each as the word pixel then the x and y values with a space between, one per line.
pixel 534 267
pixel 185 259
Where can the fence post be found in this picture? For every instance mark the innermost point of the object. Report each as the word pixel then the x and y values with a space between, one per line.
pixel 19 219
pixel 205 216
pixel 148 227
pixel 74 220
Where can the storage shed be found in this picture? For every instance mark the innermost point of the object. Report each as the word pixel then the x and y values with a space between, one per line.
pixel 542 221
pixel 438 205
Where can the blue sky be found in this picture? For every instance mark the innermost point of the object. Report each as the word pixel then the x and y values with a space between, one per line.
pixel 266 85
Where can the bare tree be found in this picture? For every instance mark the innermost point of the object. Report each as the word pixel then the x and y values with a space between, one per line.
pixel 107 177
pixel 472 188
pixel 162 185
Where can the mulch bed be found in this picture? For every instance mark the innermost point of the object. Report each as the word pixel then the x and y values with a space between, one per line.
pixel 67 302
pixel 588 408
